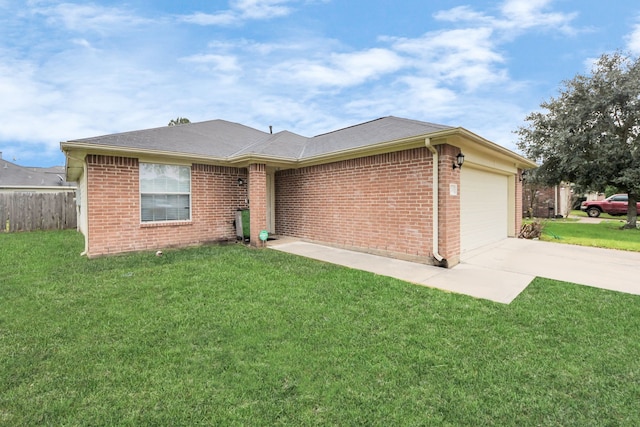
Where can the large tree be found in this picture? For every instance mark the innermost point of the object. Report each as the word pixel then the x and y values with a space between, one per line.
pixel 590 133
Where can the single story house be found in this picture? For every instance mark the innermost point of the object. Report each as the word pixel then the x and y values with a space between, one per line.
pixel 390 186
pixel 547 202
pixel 34 198
pixel 22 179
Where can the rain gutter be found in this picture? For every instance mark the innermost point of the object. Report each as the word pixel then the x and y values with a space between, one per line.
pixel 436 202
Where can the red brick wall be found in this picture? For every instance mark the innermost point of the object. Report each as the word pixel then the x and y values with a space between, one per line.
pixel 449 207
pixel 258 201
pixel 537 201
pixel 113 206
pixel 519 202
pixel 381 204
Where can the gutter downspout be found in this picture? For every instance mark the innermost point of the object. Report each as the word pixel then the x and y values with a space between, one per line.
pixel 436 202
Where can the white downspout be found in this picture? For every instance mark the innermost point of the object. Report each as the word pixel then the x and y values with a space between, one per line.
pixel 83 218
pixel 436 200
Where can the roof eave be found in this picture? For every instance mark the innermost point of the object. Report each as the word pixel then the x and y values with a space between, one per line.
pixel 245 160
pixel 76 152
pixel 65 187
pixel 520 161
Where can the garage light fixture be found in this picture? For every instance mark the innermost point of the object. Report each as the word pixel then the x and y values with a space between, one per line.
pixel 241 181
pixel 459 161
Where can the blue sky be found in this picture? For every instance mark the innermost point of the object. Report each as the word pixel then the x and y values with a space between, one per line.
pixel 77 69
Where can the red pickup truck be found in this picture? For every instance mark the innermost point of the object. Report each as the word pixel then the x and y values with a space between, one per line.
pixel 615 205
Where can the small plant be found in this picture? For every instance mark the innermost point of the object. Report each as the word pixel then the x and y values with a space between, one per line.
pixel 531 230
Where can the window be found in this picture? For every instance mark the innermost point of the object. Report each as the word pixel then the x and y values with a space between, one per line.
pixel 165 192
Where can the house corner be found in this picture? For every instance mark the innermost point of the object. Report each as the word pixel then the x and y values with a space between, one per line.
pixel 257 201
pixel 449 205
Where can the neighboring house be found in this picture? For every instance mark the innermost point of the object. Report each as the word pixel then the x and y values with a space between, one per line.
pixel 14 178
pixel 388 186
pixel 593 196
pixel 547 202
pixel 35 198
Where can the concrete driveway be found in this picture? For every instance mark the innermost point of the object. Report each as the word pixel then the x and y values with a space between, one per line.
pixel 498 272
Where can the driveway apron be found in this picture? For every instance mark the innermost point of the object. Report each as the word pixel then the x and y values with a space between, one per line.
pixel 602 268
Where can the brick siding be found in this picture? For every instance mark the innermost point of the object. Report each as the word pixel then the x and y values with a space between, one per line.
pixel 113 207
pixel 381 204
pixel 258 200
pixel 449 205
pixel 519 202
pixel 537 201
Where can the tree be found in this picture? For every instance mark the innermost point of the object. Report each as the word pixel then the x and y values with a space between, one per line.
pixel 179 121
pixel 590 133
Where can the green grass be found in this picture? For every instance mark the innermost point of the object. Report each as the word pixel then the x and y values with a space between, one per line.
pixel 607 234
pixel 227 335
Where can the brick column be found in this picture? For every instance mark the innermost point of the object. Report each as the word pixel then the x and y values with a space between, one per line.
pixel 518 207
pixel 449 208
pixel 257 201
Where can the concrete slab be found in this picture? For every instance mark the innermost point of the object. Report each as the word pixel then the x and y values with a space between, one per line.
pixel 479 282
pixel 597 267
pixel 497 272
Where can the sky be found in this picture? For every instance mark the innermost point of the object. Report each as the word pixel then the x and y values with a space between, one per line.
pixel 77 69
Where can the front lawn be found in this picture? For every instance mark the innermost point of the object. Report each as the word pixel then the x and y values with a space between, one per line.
pixel 607 234
pixel 227 335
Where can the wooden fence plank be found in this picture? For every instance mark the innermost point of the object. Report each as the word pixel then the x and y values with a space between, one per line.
pixel 37 211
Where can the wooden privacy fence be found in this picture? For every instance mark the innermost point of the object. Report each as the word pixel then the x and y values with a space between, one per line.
pixel 37 211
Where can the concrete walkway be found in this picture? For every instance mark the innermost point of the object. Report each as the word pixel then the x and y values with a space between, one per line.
pixel 589 220
pixel 497 272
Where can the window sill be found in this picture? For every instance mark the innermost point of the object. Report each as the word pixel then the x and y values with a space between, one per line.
pixel 164 224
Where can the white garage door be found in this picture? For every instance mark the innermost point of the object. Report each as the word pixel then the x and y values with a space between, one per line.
pixel 483 208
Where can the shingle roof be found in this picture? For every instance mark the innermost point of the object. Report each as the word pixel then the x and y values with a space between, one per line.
pixel 217 138
pixel 282 144
pixel 12 175
pixel 223 139
pixel 369 133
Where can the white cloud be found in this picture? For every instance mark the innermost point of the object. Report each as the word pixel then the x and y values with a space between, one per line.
pixel 633 40
pixel 84 18
pixel 515 17
pixel 222 18
pixel 409 96
pixel 262 9
pixel 222 63
pixel 342 69
pixel 82 42
pixel 526 14
pixel 462 14
pixel 300 45
pixel 468 56
pixel 240 11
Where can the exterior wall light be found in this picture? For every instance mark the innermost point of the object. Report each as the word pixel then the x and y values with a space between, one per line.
pixel 241 181
pixel 459 161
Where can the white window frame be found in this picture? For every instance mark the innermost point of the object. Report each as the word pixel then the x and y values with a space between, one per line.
pixel 144 191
